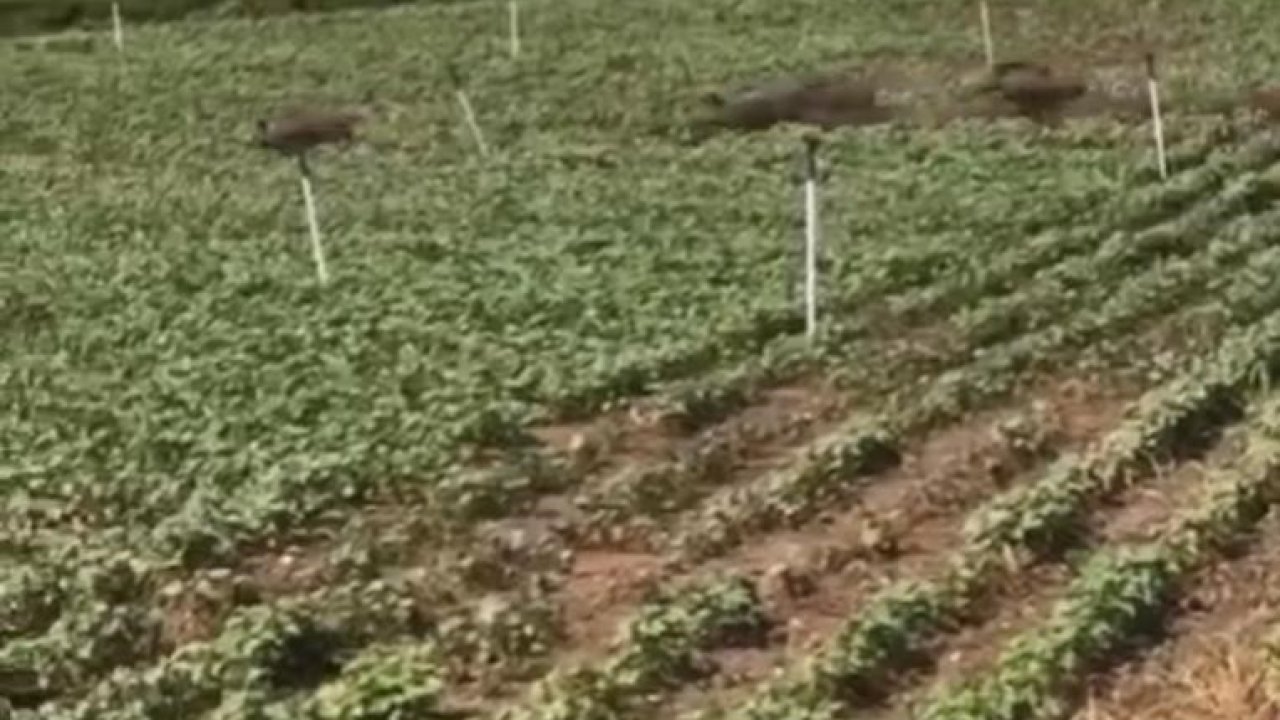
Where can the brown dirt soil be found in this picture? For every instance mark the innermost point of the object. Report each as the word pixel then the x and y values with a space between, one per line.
pixel 292 570
pixel 193 610
pixel 601 590
pixel 1211 665
pixel 188 618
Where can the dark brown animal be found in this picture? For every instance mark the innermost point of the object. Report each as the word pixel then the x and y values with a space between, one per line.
pixel 826 101
pixel 1032 88
pixel 296 132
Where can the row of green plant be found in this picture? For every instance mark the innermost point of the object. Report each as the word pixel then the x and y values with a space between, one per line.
pixel 1026 315
pixel 1142 204
pixel 916 279
pixel 898 624
pixel 931 266
pixel 1082 280
pixel 865 445
pixel 261 652
pixel 1139 208
pixel 661 648
pixel 1119 594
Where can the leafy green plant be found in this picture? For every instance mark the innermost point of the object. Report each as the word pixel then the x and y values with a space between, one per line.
pixel 658 650
pixel 382 683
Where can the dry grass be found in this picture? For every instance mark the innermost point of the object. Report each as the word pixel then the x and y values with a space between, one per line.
pixel 1225 682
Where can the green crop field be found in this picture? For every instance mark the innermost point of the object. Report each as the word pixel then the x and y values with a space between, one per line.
pixel 552 442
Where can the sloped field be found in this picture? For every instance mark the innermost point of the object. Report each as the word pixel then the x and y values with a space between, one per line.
pixel 551 443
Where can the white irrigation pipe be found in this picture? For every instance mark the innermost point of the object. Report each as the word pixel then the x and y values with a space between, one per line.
pixel 313 226
pixel 984 13
pixel 117 27
pixel 1157 121
pixel 811 237
pixel 470 116
pixel 513 26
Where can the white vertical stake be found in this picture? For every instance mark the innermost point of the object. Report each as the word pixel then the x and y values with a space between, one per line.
pixel 987 44
pixel 470 116
pixel 811 237
pixel 513 26
pixel 1157 121
pixel 117 27
pixel 317 251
